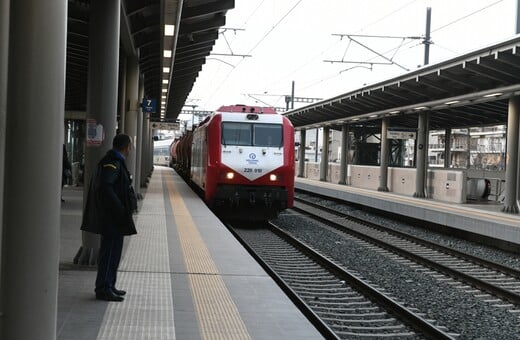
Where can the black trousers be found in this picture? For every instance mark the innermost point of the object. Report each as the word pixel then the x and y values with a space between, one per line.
pixel 108 262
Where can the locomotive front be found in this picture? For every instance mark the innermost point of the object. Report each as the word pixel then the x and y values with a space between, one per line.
pixel 250 172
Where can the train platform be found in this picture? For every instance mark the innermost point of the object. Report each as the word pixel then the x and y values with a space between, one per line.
pixel 484 219
pixel 185 275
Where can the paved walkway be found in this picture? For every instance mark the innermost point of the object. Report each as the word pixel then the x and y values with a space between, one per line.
pixel 147 312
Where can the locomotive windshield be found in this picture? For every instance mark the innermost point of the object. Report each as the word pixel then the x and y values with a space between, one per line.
pixel 251 134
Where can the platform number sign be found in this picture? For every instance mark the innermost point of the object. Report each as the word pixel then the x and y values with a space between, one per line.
pixel 149 105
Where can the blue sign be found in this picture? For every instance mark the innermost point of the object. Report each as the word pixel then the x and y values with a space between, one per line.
pixel 149 105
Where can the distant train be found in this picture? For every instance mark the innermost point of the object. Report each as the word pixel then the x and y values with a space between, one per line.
pixel 161 152
pixel 242 159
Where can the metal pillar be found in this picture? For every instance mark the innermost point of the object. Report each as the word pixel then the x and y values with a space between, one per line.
pixel 122 96
pixel 344 155
pixel 36 71
pixel 510 196
pixel 4 47
pixel 422 147
pixel 427 37
pixel 144 151
pixel 147 145
pixel 139 143
pixel 131 116
pixel 447 148
pixel 383 168
pixel 316 146
pixel 101 99
pixel 517 26
pixel 324 165
pixel 301 153
pixel 292 95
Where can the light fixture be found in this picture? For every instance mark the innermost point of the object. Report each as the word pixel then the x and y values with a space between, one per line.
pixel 167 53
pixel 165 81
pixel 230 175
pixel 372 116
pixel 394 112
pixel 273 177
pixel 493 94
pixel 165 90
pixel 166 69
pixel 420 107
pixel 452 102
pixel 355 119
pixel 169 29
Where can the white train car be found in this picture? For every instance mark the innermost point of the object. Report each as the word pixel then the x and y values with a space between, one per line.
pixel 161 152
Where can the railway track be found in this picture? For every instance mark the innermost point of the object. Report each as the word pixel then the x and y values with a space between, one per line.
pixel 341 305
pixel 493 278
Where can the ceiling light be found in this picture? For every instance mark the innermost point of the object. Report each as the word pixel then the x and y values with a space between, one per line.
pixel 354 119
pixel 167 53
pixel 165 90
pixel 372 116
pixel 493 94
pixel 394 112
pixel 420 107
pixel 169 29
pixel 166 69
pixel 165 81
pixel 452 102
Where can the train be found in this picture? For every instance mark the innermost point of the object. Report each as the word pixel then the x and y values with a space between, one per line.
pixel 241 160
pixel 161 152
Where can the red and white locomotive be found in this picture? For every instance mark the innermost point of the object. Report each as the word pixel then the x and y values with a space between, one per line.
pixel 242 158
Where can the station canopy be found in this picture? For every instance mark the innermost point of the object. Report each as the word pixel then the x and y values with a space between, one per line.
pixel 470 90
pixel 196 25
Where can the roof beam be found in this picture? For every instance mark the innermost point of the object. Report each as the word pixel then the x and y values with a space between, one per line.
pixel 207 8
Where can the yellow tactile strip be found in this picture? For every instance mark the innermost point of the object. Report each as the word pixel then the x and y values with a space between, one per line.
pixel 217 314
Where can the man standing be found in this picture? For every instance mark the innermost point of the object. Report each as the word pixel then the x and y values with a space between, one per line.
pixel 111 202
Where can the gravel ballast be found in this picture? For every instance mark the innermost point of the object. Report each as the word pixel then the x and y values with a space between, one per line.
pixel 459 311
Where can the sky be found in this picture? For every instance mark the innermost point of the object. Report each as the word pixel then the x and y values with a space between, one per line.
pixel 289 40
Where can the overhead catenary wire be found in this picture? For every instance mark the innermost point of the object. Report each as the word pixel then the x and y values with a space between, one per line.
pixel 255 46
pixel 316 56
pixel 396 49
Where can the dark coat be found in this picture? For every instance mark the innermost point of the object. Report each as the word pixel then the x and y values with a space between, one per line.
pixel 111 199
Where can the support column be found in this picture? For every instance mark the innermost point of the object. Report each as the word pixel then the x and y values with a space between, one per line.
pixel 316 147
pixel 324 165
pixel 35 108
pixel 385 145
pixel 145 164
pixel 132 113
pixel 510 196
pixel 447 148
pixel 101 100
pixel 301 153
pixel 139 142
pixel 422 147
pixel 122 96
pixel 4 48
pixel 344 155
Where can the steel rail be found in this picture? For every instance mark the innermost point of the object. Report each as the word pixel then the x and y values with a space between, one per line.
pixel 480 284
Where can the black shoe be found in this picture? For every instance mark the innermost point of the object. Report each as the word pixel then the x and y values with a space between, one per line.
pixel 118 292
pixel 109 296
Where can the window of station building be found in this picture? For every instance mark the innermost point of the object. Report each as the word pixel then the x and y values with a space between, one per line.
pixel 269 135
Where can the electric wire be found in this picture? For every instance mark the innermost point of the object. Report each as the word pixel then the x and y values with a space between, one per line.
pixel 253 48
pixel 338 41
pixel 410 42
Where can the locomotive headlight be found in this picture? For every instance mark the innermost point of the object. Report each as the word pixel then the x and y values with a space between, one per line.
pixel 273 177
pixel 230 175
